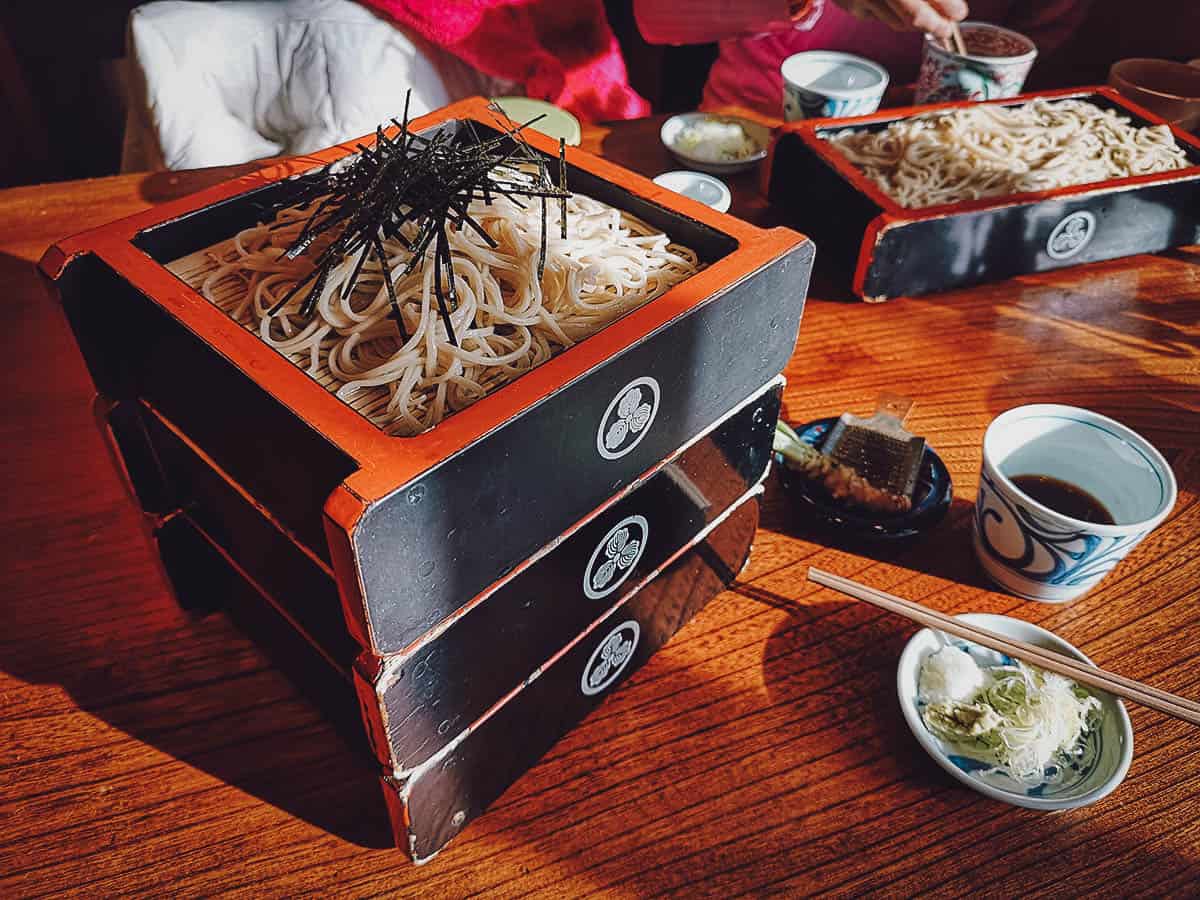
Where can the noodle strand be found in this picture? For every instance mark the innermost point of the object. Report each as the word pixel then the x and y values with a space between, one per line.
pixel 506 319
pixel 990 150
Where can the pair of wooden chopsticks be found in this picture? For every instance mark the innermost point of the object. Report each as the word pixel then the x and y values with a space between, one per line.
pixel 955 42
pixel 1171 704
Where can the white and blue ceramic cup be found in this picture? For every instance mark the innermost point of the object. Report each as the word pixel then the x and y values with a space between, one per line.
pixel 819 84
pixel 1035 552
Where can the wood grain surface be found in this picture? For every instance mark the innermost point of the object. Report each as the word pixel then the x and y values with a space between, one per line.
pixel 762 751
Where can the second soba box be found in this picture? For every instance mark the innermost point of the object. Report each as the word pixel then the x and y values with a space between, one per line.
pixel 948 195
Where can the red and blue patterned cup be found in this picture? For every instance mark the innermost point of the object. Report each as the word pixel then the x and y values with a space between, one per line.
pixel 996 65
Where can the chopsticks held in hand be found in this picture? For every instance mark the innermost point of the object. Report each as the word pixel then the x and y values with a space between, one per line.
pixel 954 43
pixel 956 36
pixel 1171 704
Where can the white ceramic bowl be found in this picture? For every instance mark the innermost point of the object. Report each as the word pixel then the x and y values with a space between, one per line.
pixel 1109 747
pixel 824 84
pixel 674 127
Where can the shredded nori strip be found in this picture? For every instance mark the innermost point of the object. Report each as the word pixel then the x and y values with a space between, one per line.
pixel 427 181
pixel 562 186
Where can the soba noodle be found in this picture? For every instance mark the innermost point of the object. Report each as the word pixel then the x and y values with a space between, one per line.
pixel 506 320
pixel 988 150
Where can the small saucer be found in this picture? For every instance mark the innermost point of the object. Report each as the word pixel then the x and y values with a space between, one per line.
pixel 931 497
pixel 554 122
pixel 674 127
pixel 704 188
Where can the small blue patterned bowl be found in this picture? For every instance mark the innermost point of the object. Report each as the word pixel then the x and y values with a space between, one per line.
pixel 1107 752
pixel 932 496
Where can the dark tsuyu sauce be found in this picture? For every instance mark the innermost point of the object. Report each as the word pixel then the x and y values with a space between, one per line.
pixel 1064 497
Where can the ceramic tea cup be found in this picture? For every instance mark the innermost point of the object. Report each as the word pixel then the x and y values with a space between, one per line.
pixel 995 65
pixel 1040 553
pixel 820 84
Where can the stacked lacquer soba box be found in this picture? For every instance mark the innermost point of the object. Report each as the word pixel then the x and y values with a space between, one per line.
pixel 459 593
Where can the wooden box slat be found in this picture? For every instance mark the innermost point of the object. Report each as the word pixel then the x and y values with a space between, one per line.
pixel 417 702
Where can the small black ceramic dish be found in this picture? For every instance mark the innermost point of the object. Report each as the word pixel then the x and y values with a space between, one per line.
pixel 931 497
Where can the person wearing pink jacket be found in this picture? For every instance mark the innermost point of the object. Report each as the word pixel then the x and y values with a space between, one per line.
pixel 756 36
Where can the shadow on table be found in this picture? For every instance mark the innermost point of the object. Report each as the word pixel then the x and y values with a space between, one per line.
pixel 85 609
pixel 196 690
pixel 825 659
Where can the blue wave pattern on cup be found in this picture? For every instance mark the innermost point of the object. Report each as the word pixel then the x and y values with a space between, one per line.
pixel 1074 556
pixel 801 104
pixel 1031 550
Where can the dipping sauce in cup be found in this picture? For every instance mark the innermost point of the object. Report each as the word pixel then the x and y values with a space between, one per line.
pixel 1111 488
pixel 996 65
pixel 820 84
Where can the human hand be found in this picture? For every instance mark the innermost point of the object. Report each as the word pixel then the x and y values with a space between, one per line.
pixel 932 16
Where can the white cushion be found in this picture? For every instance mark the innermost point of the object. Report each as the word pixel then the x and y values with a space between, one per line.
pixel 233 81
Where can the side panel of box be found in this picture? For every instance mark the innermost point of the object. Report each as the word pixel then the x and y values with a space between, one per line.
pixel 231 520
pixel 458 785
pixel 420 550
pixel 134 349
pixel 429 696
pixel 960 249
pixel 808 191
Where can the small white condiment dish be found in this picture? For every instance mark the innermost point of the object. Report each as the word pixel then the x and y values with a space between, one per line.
pixel 1108 748
pixel 698 186
pixel 674 128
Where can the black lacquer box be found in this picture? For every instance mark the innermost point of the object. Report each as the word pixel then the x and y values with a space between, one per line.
pixel 456 772
pixel 398 519
pixel 439 589
pixel 885 250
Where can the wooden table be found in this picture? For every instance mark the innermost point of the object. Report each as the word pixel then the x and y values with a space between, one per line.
pixel 761 750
